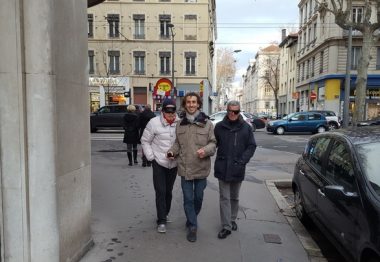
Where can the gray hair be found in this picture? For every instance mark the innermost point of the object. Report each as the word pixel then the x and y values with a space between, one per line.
pixel 233 103
pixel 148 106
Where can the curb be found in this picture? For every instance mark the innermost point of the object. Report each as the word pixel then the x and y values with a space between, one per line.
pixel 313 251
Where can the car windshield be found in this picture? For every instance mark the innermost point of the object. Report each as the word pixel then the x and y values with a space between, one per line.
pixel 369 159
pixel 289 116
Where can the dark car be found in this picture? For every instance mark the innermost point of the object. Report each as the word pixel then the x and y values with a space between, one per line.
pixel 257 122
pixel 372 122
pixel 336 185
pixel 110 116
pixel 299 122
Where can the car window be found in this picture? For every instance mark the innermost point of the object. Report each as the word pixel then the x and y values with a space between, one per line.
pixel 317 150
pixel 219 116
pixel 329 113
pixel 339 169
pixel 369 160
pixel 315 117
pixel 299 117
pixel 120 109
pixel 104 109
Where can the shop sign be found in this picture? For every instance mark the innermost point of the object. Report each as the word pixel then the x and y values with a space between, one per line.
pixel 201 88
pixel 370 93
pixel 103 81
pixel 163 87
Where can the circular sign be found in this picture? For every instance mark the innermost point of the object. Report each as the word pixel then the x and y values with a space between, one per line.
pixel 163 87
pixel 313 96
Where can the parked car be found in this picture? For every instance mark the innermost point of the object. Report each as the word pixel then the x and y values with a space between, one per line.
pixel 299 122
pixel 371 122
pixel 110 116
pixel 332 119
pixel 217 117
pixel 336 185
pixel 257 123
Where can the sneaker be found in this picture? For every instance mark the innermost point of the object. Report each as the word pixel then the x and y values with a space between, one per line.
pixel 168 220
pixel 234 226
pixel 224 233
pixel 161 228
pixel 191 234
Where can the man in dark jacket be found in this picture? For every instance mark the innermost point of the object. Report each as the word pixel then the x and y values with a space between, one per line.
pixel 235 147
pixel 145 117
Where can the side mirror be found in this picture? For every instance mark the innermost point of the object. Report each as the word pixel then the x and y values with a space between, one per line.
pixel 290 120
pixel 338 193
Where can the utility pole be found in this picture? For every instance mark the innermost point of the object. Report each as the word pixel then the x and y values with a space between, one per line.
pixel 171 26
pixel 346 104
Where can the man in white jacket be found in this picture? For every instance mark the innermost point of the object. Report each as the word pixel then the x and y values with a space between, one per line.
pixel 158 137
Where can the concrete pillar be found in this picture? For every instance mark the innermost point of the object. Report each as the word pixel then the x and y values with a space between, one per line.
pixel 44 131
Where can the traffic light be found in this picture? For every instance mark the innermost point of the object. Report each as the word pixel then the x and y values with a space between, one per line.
pixel 127 94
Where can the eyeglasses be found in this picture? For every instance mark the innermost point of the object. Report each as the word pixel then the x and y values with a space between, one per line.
pixel 234 111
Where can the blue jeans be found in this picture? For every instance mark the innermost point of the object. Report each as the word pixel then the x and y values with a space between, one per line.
pixel 192 199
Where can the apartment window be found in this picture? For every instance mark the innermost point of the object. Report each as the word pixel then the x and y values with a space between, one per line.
pixel 304 38
pixel 378 59
pixel 303 71
pixel 190 58
pixel 164 63
pixel 307 68
pixel 164 0
pixel 357 14
pixel 355 56
pixel 91 56
pixel 114 62
pixel 312 66
pixel 139 57
pixel 139 26
pixel 299 73
pixel 323 25
pixel 90 30
pixel 164 28
pixel 315 31
pixel 113 25
pixel 309 40
pixel 190 1
pixel 190 27
pixel 321 62
pixel 306 13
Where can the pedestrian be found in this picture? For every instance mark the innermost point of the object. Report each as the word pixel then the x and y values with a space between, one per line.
pixel 145 116
pixel 193 147
pixel 235 147
pixel 158 137
pixel 131 133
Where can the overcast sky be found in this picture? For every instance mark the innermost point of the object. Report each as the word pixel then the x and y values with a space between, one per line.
pixel 252 24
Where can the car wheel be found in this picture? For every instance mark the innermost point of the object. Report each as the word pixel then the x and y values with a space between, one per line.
pixel 333 126
pixel 321 129
pixel 93 129
pixel 253 127
pixel 280 130
pixel 299 206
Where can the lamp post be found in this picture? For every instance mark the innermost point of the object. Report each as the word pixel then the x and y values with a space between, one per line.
pixel 171 26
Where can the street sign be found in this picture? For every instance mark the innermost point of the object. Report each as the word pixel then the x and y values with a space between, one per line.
pixel 313 96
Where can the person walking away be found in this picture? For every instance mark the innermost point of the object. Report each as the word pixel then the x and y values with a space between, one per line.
pixel 194 145
pixel 145 116
pixel 158 137
pixel 235 147
pixel 131 133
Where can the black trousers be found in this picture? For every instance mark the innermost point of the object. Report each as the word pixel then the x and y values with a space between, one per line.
pixel 163 181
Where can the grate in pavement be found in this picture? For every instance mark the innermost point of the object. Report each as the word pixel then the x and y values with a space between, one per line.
pixel 272 238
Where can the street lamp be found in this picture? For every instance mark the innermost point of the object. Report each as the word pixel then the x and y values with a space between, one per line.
pixel 171 26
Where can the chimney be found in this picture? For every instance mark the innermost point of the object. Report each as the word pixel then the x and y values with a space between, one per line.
pixel 283 36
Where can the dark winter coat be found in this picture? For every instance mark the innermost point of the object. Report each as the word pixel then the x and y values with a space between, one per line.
pixel 131 128
pixel 235 147
pixel 145 116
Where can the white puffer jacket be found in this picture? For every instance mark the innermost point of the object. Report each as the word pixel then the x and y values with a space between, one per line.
pixel 157 139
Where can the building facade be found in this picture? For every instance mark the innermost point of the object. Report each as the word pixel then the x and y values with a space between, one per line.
pixel 259 96
pixel 287 92
pixel 133 40
pixel 322 58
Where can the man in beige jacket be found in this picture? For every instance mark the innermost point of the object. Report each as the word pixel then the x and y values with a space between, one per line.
pixel 194 145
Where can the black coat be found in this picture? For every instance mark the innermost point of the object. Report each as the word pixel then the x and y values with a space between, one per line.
pixel 235 147
pixel 145 117
pixel 131 128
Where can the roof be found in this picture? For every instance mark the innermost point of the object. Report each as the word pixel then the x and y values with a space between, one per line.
pixel 291 38
pixel 271 48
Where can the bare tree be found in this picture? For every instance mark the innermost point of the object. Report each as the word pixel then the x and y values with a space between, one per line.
pixel 272 76
pixel 367 24
pixel 225 70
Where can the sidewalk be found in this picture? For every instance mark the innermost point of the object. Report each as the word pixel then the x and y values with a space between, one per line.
pixel 124 215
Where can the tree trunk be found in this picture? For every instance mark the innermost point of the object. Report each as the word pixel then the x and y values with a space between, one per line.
pixel 361 81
